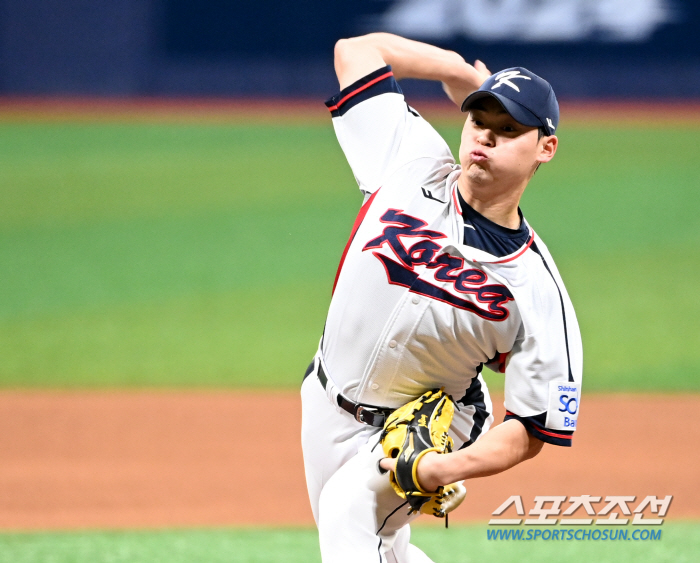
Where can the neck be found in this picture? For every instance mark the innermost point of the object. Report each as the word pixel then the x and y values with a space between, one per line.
pixel 499 206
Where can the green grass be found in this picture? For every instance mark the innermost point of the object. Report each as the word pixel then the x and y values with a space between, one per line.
pixel 679 543
pixel 203 255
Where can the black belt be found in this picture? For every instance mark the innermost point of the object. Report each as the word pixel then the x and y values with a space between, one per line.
pixel 373 416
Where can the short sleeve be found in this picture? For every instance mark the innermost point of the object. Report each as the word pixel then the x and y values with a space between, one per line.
pixel 379 133
pixel 543 370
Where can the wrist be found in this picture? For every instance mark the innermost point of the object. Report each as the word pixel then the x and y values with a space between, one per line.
pixel 464 75
pixel 431 471
pixel 458 68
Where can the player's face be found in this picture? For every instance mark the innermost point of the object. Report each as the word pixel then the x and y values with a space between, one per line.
pixel 496 149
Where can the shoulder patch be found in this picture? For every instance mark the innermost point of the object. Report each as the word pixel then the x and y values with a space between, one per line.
pixel 563 406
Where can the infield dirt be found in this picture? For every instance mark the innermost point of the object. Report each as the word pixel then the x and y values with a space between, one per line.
pixel 76 460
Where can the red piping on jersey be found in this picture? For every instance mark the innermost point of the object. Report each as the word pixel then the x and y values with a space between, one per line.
pixel 553 434
pixel 358 221
pixel 360 89
pixel 502 362
pixel 456 200
pixel 562 436
pixel 529 242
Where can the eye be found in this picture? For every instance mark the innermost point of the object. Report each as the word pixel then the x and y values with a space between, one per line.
pixel 509 129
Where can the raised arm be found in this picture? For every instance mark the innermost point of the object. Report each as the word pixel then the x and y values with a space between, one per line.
pixel 357 57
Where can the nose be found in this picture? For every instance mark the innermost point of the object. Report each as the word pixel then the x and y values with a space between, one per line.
pixel 485 137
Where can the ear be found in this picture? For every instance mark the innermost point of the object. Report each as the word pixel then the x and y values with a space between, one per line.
pixel 548 148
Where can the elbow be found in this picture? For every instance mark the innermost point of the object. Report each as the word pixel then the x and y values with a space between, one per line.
pixel 355 57
pixel 342 55
pixel 347 50
pixel 340 51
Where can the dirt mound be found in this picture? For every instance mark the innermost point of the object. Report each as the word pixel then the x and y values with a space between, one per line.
pixel 155 459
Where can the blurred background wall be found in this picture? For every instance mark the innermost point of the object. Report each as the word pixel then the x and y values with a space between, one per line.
pixel 587 48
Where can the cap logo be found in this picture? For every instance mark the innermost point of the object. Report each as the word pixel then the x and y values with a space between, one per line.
pixel 551 125
pixel 506 77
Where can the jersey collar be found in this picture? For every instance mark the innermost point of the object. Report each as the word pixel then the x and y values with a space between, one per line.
pixel 499 244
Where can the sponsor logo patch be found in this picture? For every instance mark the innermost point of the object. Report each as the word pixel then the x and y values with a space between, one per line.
pixel 563 407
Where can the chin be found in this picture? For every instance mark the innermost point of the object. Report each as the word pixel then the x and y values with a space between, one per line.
pixel 477 174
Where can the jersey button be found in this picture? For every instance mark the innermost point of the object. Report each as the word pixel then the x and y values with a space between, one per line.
pixel 375 386
pixel 415 300
pixel 392 344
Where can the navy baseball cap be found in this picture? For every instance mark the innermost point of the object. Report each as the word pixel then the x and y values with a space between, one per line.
pixel 529 99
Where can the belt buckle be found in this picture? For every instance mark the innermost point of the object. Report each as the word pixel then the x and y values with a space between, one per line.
pixel 359 414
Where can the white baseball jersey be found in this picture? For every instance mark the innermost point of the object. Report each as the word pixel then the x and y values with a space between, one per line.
pixel 429 291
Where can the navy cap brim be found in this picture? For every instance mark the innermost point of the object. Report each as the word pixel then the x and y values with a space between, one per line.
pixel 520 113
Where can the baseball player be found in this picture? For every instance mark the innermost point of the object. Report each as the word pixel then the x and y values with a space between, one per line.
pixel 442 276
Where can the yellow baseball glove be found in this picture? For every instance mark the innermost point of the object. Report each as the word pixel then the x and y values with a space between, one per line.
pixel 441 505
pixel 412 431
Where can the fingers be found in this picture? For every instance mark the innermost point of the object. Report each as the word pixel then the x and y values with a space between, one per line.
pixel 388 464
pixel 481 67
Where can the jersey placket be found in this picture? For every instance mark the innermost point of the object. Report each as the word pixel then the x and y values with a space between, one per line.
pixel 396 337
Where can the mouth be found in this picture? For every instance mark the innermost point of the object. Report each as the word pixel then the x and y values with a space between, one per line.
pixel 478 156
